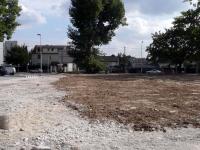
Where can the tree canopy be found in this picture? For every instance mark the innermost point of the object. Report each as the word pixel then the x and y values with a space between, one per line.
pixel 180 43
pixel 9 11
pixel 94 23
pixel 18 55
pixel 194 2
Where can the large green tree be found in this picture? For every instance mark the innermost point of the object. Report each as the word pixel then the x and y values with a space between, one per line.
pixel 94 23
pixel 189 25
pixel 168 48
pixel 179 44
pixel 18 55
pixel 9 11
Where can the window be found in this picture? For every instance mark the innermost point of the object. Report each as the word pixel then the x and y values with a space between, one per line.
pixel 38 56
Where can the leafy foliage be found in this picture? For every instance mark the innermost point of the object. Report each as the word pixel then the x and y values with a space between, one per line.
pixel 180 43
pixel 193 2
pixel 18 55
pixel 124 62
pixel 94 23
pixel 94 65
pixel 9 11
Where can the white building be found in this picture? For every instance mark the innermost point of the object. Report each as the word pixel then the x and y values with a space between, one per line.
pixel 1 54
pixel 53 56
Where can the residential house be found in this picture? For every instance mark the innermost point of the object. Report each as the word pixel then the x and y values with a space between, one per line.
pixel 54 58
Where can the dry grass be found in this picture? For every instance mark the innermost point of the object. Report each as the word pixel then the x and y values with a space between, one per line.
pixel 144 102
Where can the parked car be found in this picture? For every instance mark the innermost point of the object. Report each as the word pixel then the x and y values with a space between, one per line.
pixel 10 70
pixel 2 71
pixel 36 71
pixel 154 71
pixel 114 69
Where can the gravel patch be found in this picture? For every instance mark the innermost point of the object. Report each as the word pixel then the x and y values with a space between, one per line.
pixel 39 119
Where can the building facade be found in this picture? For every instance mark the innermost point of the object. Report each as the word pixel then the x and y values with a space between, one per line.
pixel 110 61
pixel 53 57
pixel 1 53
pixel 8 45
pixel 138 65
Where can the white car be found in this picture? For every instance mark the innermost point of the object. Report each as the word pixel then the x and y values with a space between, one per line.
pixel 10 70
pixel 154 71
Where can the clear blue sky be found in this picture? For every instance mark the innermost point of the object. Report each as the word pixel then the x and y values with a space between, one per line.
pixel 51 19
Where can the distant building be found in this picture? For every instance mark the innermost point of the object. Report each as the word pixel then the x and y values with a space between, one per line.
pixel 8 45
pixel 110 61
pixel 139 64
pixel 54 57
pixel 1 53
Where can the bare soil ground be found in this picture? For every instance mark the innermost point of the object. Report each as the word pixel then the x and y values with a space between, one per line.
pixel 142 102
pixel 39 119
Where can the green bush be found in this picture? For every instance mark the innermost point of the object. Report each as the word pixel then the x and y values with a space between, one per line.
pixel 94 65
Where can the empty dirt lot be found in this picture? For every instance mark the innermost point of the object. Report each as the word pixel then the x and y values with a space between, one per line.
pixel 142 102
pixel 39 118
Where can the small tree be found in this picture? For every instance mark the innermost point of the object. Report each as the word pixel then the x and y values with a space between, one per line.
pixel 124 62
pixel 94 23
pixel 18 55
pixel 9 11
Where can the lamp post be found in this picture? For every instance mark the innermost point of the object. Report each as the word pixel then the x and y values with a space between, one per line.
pixel 41 70
pixel 141 56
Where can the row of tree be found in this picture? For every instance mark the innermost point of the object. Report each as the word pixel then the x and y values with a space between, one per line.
pixel 179 44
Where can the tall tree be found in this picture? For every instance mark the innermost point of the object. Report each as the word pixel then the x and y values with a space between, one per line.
pixel 189 24
pixel 18 55
pixel 179 44
pixel 9 11
pixel 168 48
pixel 94 23
pixel 195 3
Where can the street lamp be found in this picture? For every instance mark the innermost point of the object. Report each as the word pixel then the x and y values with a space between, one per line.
pixel 141 56
pixel 41 70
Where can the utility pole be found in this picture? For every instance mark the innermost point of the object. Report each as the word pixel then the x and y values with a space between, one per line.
pixel 125 50
pixel 41 70
pixel 141 56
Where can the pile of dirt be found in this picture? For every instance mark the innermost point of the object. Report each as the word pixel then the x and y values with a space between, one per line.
pixel 143 102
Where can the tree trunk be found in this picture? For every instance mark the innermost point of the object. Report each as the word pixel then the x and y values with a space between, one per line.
pixel 197 67
pixel 176 69
pixel 180 68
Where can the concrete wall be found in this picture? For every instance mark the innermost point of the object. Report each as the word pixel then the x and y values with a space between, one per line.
pixel 1 53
